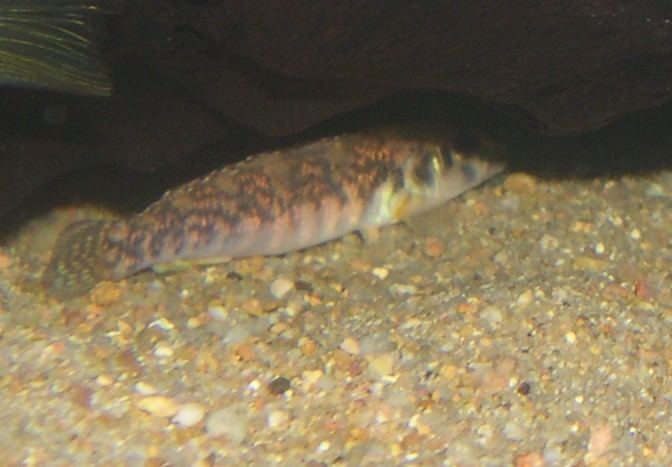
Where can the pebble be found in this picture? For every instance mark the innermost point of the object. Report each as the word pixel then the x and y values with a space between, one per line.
pixel 226 422
pixel 277 419
pixel 514 431
pixel 380 273
pixel 530 459
pixel 162 349
pixel 600 439
pixel 587 263
pixel 194 322
pixel 654 190
pixel 376 343
pixel 279 385
pixel 281 287
pixel 520 183
pixel 218 312
pixel 524 298
pixel 382 365
pixel 238 333
pixel 308 346
pixel 433 247
pixel 311 377
pixel 403 289
pixel 502 257
pixel 162 323
pixel 189 414
pixel 549 242
pixel 253 307
pixel 145 389
pixel 159 406
pixel 492 316
pixel 350 346
pixel 104 380
pixel 570 338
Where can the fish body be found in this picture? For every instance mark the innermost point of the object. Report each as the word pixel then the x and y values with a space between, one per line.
pixel 269 204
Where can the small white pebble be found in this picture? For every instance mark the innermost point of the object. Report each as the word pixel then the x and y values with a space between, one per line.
pixel 514 431
pixel 403 289
pixel 599 248
pixel 159 406
pixel 376 343
pixel 238 333
pixel 163 350
pixel 655 190
pixel 570 338
pixel 501 257
pixel 411 323
pixel 226 422
pixel 635 234
pixel 145 389
pixel 350 346
pixel 380 273
pixel 324 446
pixel 218 312
pixel 162 323
pixel 104 380
pixel 277 419
pixel 616 220
pixel 524 298
pixel 492 316
pixel 600 439
pixel 310 377
pixel 193 322
pixel 281 287
pixel 382 365
pixel 189 415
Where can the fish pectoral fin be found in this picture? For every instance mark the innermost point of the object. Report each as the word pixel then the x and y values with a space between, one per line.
pixel 405 205
pixel 180 265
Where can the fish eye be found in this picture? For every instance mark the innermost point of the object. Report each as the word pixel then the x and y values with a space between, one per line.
pixel 428 166
pixel 448 156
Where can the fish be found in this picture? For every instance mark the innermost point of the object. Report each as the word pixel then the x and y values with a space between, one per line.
pixel 270 204
pixel 53 45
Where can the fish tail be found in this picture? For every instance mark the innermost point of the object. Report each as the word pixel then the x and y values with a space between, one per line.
pixel 77 262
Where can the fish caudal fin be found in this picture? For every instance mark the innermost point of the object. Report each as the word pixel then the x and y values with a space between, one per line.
pixel 76 264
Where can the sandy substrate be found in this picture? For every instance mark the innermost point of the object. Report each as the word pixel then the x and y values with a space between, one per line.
pixel 527 322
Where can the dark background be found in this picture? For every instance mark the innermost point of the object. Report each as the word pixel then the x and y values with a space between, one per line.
pixel 571 86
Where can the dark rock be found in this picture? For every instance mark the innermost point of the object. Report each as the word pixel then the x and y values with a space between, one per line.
pixel 196 77
pixel 279 385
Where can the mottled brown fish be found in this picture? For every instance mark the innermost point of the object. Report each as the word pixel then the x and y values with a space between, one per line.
pixel 270 204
